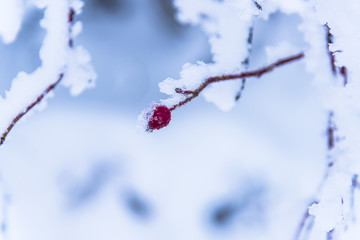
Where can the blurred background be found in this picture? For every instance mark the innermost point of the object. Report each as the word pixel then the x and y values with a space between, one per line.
pixel 81 170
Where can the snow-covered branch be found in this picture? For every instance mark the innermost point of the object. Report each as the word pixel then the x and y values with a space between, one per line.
pixel 61 62
pixel 28 108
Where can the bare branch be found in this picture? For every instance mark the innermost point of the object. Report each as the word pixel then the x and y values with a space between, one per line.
pixel 329 40
pixel 255 73
pixel 343 72
pixel 246 62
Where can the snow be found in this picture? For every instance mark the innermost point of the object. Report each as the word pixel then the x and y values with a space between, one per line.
pixel 180 186
pixel 341 23
pixel 79 73
pixel 274 53
pixel 11 15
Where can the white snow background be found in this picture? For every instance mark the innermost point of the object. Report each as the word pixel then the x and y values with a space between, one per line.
pixel 80 169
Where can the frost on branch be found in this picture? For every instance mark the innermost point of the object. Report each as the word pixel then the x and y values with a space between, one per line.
pixel 60 62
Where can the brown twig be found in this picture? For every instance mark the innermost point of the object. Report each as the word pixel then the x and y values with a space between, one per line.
pixel 342 70
pixel 71 23
pixel 329 40
pixel 258 5
pixel 28 108
pixel 255 73
pixel 246 62
pixel 46 91
pixel 331 128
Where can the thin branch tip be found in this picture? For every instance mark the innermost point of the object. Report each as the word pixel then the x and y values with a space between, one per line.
pixel 255 73
pixel 29 107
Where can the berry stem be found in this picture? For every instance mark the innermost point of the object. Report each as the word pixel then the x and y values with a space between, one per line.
pixel 255 73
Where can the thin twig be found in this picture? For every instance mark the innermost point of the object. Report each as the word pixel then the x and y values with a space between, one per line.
pixel 255 73
pixel 28 108
pixel 331 128
pixel 246 62
pixel 258 5
pixel 342 70
pixel 329 40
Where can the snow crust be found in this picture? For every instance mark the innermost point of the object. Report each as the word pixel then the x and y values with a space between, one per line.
pixel 11 15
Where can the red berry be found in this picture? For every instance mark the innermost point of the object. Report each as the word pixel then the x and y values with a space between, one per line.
pixel 160 117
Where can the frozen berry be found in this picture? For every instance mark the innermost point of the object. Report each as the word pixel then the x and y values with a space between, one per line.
pixel 160 117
